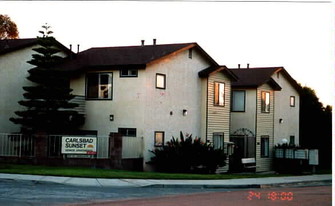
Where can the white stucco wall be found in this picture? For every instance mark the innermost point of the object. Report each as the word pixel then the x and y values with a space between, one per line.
pixel 13 72
pixel 283 110
pixel 137 103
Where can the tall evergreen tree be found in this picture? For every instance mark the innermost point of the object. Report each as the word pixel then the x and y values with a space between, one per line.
pixel 47 102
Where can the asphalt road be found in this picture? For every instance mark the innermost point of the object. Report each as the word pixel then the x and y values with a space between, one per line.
pixel 24 193
pixel 288 196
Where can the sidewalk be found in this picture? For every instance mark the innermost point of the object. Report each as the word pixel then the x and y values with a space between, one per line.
pixel 231 183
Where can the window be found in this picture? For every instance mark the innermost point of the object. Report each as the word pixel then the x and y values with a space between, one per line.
pixel 265 102
pixel 190 53
pixel 292 101
pixel 265 146
pixel 128 72
pixel 238 104
pixel 218 140
pixel 159 139
pixel 218 94
pixel 160 81
pixel 99 85
pixel 128 132
pixel 292 141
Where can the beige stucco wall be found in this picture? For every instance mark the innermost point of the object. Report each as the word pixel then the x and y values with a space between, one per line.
pixel 246 119
pixel 137 103
pixel 283 110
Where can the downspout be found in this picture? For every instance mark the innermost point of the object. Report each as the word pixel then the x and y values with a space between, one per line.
pixel 207 109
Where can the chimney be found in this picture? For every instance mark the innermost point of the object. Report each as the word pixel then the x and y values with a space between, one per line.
pixel 78 48
pixel 154 41
pixel 239 66
pixel 70 47
pixel 142 41
pixel 248 66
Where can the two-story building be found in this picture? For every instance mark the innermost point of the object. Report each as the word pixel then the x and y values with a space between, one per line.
pixel 149 93
pixel 265 110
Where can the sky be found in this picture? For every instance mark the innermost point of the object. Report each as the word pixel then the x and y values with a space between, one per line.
pixel 296 35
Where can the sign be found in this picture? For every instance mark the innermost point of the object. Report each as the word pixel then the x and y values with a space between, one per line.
pixel 79 145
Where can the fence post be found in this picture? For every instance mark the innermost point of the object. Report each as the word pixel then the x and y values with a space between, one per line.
pixel 20 147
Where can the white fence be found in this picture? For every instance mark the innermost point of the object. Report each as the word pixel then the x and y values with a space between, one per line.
pixel 16 145
pixel 19 145
pixel 132 147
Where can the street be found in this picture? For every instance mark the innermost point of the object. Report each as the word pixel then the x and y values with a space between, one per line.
pixel 19 192
pixel 299 196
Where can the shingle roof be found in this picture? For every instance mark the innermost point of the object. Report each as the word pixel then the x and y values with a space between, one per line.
pixel 139 56
pixel 206 72
pixel 255 77
pixel 9 45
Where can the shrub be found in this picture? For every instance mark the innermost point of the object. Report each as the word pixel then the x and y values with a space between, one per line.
pixel 187 156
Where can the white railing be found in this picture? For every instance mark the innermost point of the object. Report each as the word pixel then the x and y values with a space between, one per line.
pixel 19 145
pixel 16 145
pixel 132 147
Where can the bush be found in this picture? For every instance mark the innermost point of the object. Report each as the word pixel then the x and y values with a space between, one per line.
pixel 187 156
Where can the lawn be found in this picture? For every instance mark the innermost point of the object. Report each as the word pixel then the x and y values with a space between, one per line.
pixel 112 173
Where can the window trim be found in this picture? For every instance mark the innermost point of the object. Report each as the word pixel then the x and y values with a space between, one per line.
pixel 163 75
pixel 263 152
pixel 263 103
pixel 127 128
pixel 232 99
pixel 128 76
pixel 218 95
pixel 163 139
pixel 292 98
pixel 99 74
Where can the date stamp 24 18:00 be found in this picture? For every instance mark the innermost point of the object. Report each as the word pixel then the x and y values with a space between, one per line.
pixel 274 196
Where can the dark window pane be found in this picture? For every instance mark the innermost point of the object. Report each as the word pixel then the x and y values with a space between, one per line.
pixel 92 86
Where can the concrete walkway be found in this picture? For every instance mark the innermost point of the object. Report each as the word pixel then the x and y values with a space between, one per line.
pixel 231 183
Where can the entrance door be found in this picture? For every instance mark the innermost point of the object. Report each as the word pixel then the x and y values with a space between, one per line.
pixel 245 147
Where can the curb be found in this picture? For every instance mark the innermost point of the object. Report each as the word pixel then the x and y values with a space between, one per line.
pixel 246 186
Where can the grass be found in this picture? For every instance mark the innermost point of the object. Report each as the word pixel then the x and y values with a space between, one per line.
pixel 112 173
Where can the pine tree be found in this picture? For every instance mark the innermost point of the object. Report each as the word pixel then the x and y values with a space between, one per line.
pixel 47 102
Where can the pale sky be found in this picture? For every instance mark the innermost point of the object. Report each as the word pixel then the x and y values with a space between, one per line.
pixel 297 36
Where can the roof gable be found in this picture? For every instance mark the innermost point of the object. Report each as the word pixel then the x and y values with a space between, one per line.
pixel 208 71
pixel 133 56
pixel 11 45
pixel 255 77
